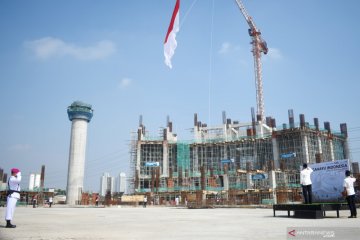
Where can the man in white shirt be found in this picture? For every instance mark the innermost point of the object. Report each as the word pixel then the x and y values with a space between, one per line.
pixel 305 181
pixel 350 193
pixel 13 196
pixel 50 201
pixel 145 201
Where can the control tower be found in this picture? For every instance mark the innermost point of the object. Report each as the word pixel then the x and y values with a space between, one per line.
pixel 79 114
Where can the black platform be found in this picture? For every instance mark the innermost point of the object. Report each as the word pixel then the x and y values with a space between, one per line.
pixel 315 210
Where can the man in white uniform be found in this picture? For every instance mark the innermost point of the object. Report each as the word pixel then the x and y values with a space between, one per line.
pixel 350 193
pixel 305 182
pixel 13 196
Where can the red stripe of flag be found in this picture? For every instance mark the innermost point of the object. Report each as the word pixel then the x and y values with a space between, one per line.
pixel 175 12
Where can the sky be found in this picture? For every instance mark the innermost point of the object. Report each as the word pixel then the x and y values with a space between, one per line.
pixel 109 54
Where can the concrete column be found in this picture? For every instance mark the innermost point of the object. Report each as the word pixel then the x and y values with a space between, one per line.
pixel 249 181
pixel 344 132
pixel 319 145
pixel 332 154
pixel 272 180
pixel 259 129
pixel 226 182
pixel 196 160
pixel 305 148
pixel 346 149
pixel 138 166
pixel 165 167
pixel 75 180
pixel 275 148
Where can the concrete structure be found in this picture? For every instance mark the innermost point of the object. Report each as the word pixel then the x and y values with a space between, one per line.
pixel 80 114
pixel 3 184
pixel 3 181
pixel 103 183
pixel 121 183
pixel 34 181
pixel 107 183
pixel 232 160
pixel 31 181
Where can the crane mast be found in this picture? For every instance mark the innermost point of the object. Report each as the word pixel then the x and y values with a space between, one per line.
pixel 258 46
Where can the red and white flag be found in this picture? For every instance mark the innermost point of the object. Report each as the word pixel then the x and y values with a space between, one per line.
pixel 170 41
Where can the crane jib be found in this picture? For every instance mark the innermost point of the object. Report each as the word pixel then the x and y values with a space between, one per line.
pixel 259 46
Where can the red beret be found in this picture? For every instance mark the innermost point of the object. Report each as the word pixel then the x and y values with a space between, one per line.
pixel 15 170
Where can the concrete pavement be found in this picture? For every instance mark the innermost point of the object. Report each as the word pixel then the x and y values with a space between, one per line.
pixel 162 223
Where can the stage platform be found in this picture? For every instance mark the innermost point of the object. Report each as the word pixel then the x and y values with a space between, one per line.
pixel 315 210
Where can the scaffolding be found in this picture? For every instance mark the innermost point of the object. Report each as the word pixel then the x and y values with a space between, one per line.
pixel 132 179
pixel 234 163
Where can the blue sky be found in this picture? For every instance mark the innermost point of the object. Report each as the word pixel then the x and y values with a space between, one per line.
pixel 110 54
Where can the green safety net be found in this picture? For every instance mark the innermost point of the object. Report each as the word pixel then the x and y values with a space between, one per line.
pixel 183 156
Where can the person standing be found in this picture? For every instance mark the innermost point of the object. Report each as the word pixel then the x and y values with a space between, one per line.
pixel 97 200
pixel 305 181
pixel 145 201
pixel 50 201
pixel 27 199
pixel 34 201
pixel 350 193
pixel 13 195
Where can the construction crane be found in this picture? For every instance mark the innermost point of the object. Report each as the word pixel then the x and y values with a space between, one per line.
pixel 258 46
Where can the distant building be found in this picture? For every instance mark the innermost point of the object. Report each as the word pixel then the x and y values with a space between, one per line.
pixel 121 183
pixel 2 183
pixel 107 183
pixel 34 181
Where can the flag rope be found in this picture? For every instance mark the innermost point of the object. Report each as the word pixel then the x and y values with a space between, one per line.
pixel 211 61
pixel 187 13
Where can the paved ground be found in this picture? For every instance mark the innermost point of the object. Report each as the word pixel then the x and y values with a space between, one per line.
pixel 165 223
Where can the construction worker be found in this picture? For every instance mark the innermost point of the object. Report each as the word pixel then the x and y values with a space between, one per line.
pixel 13 195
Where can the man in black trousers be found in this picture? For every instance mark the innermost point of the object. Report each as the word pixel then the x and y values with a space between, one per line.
pixel 305 182
pixel 350 193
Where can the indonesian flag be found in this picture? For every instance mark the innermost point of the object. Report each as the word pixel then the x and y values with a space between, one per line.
pixel 170 41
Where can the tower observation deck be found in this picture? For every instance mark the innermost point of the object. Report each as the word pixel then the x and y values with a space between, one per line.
pixel 80 110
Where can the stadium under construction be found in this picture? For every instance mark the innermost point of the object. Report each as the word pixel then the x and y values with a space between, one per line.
pixel 233 163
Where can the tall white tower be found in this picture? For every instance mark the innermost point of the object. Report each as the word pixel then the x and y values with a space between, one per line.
pixel 31 182
pixel 104 183
pixel 107 184
pixel 79 114
pixel 121 183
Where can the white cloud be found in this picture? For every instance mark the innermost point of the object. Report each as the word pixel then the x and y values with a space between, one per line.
pixel 275 54
pixel 49 47
pixel 224 48
pixel 125 82
pixel 227 47
pixel 20 147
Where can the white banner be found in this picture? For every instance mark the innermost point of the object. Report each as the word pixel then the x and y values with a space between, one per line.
pixel 327 180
